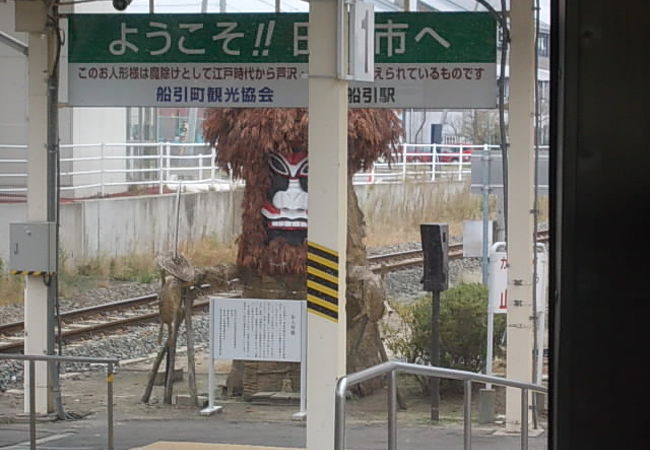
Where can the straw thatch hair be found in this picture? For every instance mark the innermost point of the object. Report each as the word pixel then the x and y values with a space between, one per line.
pixel 244 138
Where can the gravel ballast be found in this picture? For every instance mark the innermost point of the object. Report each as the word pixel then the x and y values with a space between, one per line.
pixel 140 341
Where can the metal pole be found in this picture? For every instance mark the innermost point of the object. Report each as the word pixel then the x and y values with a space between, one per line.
pixel 32 405
pixel 102 190
pixel 179 187
pixel 213 156
pixel 524 419
pixel 211 358
pixel 339 421
pixel 490 345
pixel 403 162
pixel 109 382
pixel 467 415
pixel 303 361
pixel 434 383
pixel 460 162
pixel 392 410
pixel 434 161
pixel 53 197
pixel 486 212
pixel 161 174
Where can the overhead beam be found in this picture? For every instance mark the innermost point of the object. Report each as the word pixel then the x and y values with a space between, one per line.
pixel 14 43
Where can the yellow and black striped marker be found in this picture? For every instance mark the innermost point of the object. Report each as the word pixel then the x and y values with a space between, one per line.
pixel 322 281
pixel 32 273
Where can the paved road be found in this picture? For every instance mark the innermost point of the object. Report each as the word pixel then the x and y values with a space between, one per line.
pixel 90 433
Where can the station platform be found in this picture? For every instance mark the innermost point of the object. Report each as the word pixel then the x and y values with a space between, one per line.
pixel 169 445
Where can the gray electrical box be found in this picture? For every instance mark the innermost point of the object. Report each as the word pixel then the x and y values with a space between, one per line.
pixel 32 247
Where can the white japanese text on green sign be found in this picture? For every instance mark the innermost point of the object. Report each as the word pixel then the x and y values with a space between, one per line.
pixel 433 60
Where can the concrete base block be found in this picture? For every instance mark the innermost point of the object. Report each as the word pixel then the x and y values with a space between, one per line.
pixel 487 398
pixel 208 411
pixel 532 432
pixel 186 400
pixel 300 416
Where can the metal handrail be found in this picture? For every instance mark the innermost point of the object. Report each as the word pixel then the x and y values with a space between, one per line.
pixel 392 368
pixel 111 364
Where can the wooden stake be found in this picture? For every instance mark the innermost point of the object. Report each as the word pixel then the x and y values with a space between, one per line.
pixel 152 375
pixel 191 367
pixel 171 358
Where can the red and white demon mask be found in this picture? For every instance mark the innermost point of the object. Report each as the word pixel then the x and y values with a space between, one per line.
pixel 285 208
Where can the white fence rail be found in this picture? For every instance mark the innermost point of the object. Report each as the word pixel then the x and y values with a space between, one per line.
pixel 108 168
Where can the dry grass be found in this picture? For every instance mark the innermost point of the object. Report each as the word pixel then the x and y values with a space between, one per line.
pixel 79 276
pixel 11 289
pixel 398 220
pixel 209 252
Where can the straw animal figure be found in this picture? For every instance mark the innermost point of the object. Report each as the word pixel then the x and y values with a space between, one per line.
pixel 170 302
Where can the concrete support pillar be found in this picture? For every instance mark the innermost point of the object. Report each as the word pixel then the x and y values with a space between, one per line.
pixel 520 199
pixel 328 112
pixel 37 317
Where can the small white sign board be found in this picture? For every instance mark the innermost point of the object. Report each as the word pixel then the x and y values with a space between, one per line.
pixel 473 238
pixel 257 329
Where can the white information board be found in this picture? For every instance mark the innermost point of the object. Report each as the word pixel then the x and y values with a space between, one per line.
pixel 257 329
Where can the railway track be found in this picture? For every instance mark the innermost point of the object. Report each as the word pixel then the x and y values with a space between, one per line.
pixel 143 309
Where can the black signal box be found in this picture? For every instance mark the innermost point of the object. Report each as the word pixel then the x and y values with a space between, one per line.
pixel 435 246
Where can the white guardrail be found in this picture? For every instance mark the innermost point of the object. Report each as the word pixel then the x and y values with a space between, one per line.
pixel 108 168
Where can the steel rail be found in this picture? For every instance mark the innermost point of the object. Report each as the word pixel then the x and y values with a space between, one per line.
pixel 143 318
pixel 14 327
pixel 380 264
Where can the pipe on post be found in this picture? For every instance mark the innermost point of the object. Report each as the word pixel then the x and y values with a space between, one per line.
pixel 392 410
pixel 524 419
pixel 109 382
pixel 339 414
pixel 32 405
pixel 467 415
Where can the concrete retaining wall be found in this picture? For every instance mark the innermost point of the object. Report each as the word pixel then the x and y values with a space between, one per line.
pixel 119 226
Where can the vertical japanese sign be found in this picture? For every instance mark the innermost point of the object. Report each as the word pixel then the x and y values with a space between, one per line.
pixel 498 279
pixel 422 60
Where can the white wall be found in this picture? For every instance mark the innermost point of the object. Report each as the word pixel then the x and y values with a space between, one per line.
pixel 13 85
pixel 77 125
pixel 95 125
pixel 119 226
pixel 13 101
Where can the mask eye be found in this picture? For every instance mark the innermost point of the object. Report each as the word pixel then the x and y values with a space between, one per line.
pixel 303 171
pixel 278 165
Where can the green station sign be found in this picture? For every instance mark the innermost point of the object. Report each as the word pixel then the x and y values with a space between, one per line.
pixel 430 60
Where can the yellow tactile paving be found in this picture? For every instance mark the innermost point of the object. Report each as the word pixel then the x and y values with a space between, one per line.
pixel 164 445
